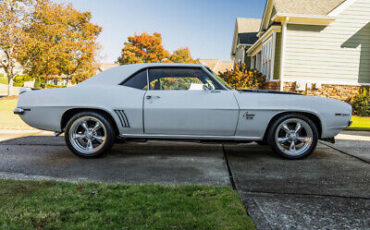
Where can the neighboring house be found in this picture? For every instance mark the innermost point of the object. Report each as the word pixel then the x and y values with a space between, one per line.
pixel 216 65
pixel 245 35
pixel 321 47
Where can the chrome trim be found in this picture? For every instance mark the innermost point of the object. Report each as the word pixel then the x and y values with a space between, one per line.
pixel 192 137
pixel 18 111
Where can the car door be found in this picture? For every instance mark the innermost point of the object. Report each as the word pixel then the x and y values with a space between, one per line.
pixel 188 101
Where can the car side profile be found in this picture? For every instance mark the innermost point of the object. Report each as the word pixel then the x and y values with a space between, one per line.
pixel 179 102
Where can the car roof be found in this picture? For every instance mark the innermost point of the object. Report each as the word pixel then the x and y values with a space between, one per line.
pixel 118 74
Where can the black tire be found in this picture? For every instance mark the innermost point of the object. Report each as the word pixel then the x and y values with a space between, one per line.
pixel 109 134
pixel 273 129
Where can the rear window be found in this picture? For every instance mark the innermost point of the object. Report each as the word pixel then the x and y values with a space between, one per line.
pixel 137 81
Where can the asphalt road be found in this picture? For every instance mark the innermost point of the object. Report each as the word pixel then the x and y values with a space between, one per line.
pixel 328 190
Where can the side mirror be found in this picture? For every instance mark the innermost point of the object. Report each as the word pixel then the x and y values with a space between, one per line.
pixel 206 87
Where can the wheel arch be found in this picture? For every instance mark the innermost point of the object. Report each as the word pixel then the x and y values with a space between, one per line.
pixel 68 114
pixel 313 117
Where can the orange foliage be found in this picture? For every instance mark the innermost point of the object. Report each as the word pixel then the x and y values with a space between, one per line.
pixel 146 48
pixel 242 78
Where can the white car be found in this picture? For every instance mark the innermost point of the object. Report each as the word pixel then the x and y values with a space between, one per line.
pixel 179 102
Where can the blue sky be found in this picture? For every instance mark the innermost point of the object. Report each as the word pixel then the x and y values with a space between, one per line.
pixel 205 26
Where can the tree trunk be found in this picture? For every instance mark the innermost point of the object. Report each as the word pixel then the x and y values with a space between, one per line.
pixel 10 85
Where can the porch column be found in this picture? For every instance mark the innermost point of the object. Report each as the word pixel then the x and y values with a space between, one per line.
pixel 282 53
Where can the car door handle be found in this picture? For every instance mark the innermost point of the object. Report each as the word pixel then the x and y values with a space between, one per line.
pixel 152 97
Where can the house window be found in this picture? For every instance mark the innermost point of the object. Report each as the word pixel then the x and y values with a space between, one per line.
pixel 267 58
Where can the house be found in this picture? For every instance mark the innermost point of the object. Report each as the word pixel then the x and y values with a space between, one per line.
pixel 216 65
pixel 245 35
pixel 320 47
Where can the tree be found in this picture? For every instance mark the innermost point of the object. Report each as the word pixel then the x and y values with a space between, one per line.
pixel 144 48
pixel 13 17
pixel 60 41
pixel 240 77
pixel 182 56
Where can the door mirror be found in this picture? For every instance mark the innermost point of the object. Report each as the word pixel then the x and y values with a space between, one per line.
pixel 206 87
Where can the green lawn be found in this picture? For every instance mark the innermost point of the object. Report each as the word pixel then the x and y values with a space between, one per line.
pixel 360 123
pixel 8 120
pixel 62 205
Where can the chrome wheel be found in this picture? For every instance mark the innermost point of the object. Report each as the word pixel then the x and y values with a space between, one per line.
pixel 88 135
pixel 294 136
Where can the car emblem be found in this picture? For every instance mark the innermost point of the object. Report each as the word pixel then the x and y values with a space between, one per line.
pixel 249 116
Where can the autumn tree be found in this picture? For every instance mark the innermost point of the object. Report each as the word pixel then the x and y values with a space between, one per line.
pixel 13 18
pixel 146 48
pixel 182 56
pixel 61 41
pixel 143 48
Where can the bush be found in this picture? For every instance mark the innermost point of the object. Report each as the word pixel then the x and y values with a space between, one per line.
pixel 361 103
pixel 241 78
pixel 51 86
pixel 19 80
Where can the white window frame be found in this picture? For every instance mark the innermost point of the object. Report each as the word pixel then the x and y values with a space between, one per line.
pixel 266 58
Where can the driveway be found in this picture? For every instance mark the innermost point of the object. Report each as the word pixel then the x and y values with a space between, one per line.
pixel 329 189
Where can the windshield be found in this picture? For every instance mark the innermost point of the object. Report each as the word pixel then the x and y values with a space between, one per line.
pixel 219 78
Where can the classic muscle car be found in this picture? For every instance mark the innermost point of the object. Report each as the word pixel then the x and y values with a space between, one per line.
pixel 179 102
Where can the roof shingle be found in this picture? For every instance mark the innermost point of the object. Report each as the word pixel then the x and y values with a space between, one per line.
pixel 306 7
pixel 248 25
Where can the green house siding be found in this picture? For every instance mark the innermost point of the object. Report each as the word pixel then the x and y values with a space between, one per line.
pixel 337 53
pixel 277 57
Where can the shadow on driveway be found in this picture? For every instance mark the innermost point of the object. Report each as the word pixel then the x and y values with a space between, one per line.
pixel 152 162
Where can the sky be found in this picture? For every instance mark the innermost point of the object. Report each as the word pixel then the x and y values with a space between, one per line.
pixel 206 27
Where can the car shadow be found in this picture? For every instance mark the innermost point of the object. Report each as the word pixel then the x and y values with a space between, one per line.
pixel 155 148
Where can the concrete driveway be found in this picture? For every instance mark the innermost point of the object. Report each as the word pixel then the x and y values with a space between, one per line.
pixel 328 190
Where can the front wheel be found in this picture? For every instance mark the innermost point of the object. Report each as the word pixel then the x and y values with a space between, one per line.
pixel 89 134
pixel 293 136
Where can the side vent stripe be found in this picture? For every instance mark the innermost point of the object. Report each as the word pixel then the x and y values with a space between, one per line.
pixel 122 118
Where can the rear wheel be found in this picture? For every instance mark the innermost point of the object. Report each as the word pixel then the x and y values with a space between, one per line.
pixel 89 134
pixel 293 136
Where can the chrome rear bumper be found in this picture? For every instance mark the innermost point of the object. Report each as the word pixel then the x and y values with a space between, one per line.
pixel 18 111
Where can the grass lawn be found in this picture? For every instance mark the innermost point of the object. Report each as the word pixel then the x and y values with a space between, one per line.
pixel 8 120
pixel 360 124
pixel 62 205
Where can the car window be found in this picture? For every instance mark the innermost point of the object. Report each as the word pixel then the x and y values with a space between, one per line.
pixel 181 79
pixel 137 81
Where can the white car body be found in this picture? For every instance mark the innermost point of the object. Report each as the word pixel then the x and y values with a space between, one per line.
pixel 181 114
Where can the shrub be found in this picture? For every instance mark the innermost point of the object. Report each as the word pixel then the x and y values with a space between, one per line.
pixel 51 86
pixel 361 103
pixel 18 81
pixel 240 77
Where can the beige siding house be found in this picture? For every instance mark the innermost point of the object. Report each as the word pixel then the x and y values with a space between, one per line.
pixel 321 47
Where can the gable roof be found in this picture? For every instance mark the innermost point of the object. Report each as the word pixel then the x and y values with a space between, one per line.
pixel 307 7
pixel 248 25
pixel 245 32
pixel 216 65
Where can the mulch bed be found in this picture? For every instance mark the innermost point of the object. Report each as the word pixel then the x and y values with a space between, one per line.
pixel 8 97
